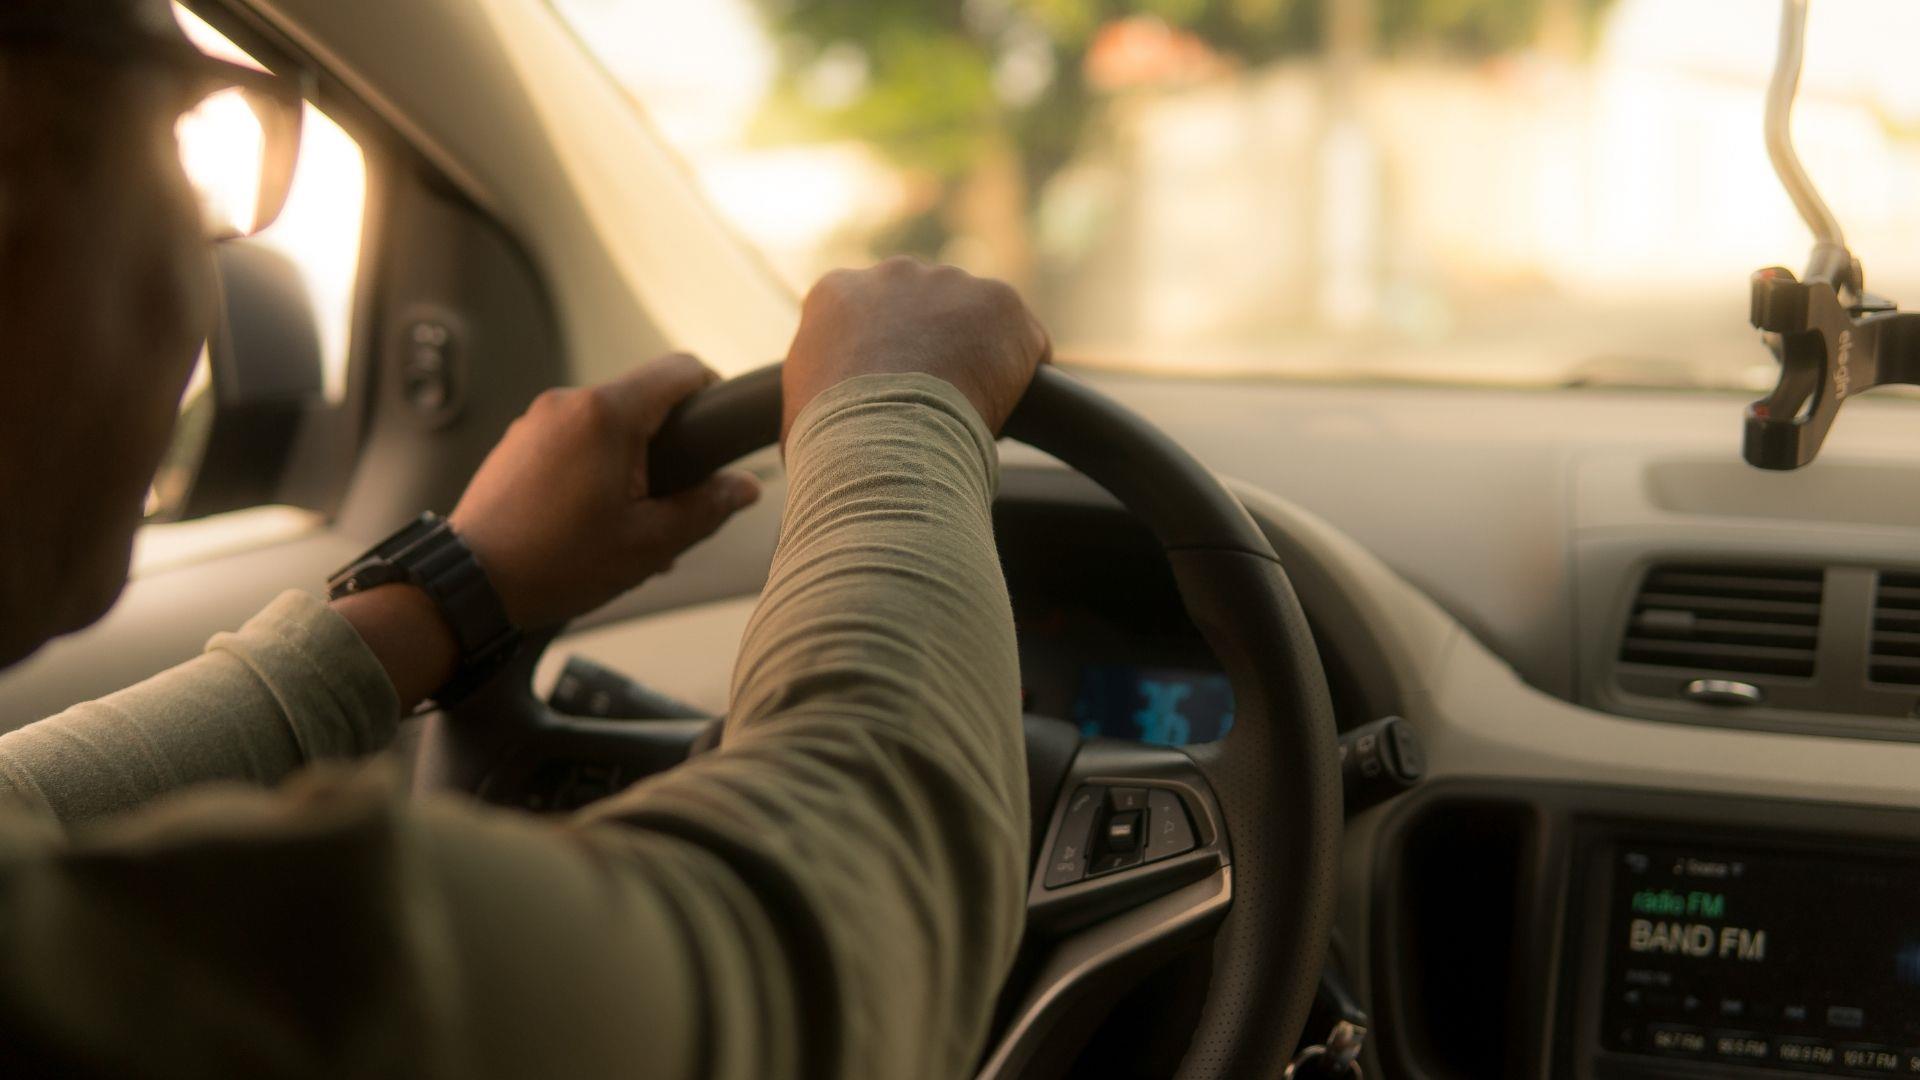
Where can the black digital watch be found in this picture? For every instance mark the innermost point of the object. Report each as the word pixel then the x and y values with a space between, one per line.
pixel 429 554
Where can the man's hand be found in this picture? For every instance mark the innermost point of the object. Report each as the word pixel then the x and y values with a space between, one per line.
pixel 559 515
pixel 904 315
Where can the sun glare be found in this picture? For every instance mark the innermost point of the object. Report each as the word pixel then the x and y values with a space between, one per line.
pixel 221 147
pixel 319 230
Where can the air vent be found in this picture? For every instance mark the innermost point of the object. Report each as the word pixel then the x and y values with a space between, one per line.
pixel 1741 620
pixel 1895 655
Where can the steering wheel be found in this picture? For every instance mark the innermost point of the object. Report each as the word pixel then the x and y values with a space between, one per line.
pixel 1239 836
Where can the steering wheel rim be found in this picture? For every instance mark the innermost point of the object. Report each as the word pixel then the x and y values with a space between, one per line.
pixel 1272 785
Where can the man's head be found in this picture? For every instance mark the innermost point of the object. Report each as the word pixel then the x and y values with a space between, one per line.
pixel 106 292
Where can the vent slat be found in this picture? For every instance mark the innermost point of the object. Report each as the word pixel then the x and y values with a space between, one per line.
pixel 1896 643
pixel 1758 588
pixel 1787 635
pixel 1718 655
pixel 1894 653
pixel 1895 669
pixel 1899 596
pixel 1770 573
pixel 1727 620
pixel 1738 607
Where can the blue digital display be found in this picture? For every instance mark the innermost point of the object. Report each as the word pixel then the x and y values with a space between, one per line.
pixel 1162 706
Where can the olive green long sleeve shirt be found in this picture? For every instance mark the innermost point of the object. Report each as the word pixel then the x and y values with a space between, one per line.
pixel 836 891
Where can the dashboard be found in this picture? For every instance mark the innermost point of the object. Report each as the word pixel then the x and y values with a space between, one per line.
pixel 1487 918
pixel 1474 580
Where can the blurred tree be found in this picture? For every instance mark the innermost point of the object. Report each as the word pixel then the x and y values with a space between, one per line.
pixel 995 95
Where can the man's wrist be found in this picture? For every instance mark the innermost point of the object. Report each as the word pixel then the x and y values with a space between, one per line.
pixel 938 396
pixel 443 572
pixel 405 630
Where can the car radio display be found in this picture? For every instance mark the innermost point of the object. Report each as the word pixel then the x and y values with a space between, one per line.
pixel 1806 962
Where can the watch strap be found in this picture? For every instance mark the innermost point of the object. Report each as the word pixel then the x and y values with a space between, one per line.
pixel 428 553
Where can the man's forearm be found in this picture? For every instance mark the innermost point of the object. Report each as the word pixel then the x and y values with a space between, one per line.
pixel 294 685
pixel 869 787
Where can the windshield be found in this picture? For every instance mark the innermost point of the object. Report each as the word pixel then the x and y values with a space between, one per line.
pixel 1538 192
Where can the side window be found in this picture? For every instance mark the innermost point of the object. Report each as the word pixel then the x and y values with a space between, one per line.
pixel 316 239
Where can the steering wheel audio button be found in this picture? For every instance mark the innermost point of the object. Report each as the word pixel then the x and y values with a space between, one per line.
pixel 1168 831
pixel 1067 862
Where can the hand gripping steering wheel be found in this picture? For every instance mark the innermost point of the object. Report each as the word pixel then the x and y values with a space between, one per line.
pixel 1240 836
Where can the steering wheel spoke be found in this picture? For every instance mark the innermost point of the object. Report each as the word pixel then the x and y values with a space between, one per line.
pixel 1134 866
pixel 1132 822
pixel 1089 969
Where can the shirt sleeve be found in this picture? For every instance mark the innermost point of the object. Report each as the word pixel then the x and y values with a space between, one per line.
pixel 836 891
pixel 293 686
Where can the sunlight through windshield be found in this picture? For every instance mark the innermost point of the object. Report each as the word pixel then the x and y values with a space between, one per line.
pixel 1537 192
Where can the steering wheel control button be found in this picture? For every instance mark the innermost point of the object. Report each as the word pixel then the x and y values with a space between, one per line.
pixel 1168 831
pixel 1067 863
pixel 1127 835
